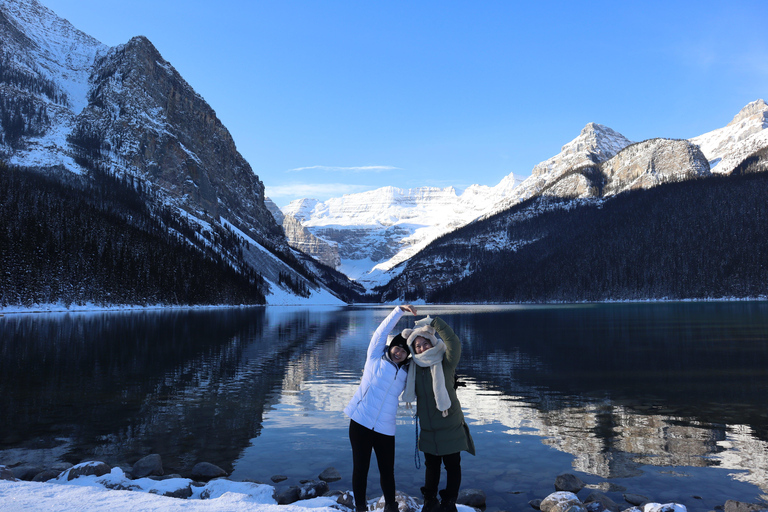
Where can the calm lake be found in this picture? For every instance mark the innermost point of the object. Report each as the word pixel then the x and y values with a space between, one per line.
pixel 668 400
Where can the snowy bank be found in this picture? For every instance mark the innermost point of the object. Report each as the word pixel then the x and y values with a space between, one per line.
pixel 114 492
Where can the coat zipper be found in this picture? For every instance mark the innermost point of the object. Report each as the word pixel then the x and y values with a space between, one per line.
pixel 376 421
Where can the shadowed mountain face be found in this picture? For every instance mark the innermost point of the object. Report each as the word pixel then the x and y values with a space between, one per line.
pixel 72 107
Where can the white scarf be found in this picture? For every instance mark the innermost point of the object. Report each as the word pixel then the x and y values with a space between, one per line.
pixel 432 359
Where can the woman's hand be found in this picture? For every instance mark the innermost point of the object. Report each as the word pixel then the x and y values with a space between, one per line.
pixel 409 309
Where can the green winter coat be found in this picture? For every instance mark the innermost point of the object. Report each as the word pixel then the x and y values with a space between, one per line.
pixel 442 435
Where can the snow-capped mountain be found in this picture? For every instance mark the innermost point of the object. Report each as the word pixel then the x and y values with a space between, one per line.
pixel 726 147
pixel 540 229
pixel 71 104
pixel 370 232
pixel 374 232
pixel 594 145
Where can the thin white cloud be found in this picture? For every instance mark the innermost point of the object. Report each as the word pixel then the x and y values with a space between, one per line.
pixel 329 168
pixel 320 191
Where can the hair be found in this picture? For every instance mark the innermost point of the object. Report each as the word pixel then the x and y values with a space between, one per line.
pixel 399 341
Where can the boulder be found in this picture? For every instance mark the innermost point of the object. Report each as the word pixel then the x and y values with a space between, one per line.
pixel 636 499
pixel 664 507
pixel 472 498
pixel 345 499
pixel 559 501
pixel 26 473
pixel 46 475
pixel 606 502
pixel 279 478
pixel 536 504
pixel 88 469
pixel 405 503
pixel 595 506
pixel 740 506
pixel 307 490
pixel 205 471
pixel 6 474
pixel 151 465
pixel 330 475
pixel 569 483
pixel 288 496
pixel 183 493
pixel 313 489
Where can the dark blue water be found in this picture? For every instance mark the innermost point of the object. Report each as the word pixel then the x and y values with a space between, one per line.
pixel 665 400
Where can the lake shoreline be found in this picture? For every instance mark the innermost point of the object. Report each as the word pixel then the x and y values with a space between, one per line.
pixel 569 490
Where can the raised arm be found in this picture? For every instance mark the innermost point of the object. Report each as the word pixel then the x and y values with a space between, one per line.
pixel 452 342
pixel 379 339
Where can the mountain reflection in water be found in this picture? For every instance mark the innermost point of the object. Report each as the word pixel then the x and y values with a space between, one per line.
pixel 628 396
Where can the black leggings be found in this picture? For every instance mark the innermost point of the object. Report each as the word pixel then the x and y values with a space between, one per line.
pixel 452 472
pixel 364 440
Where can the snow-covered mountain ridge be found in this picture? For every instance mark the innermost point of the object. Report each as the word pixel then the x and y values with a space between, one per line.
pixel 383 227
pixel 727 147
pixel 373 232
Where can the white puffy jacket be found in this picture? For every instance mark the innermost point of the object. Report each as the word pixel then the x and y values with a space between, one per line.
pixel 374 404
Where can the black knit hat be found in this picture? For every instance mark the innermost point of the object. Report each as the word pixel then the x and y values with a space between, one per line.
pixel 399 341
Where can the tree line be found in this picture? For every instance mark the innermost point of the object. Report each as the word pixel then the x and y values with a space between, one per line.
pixel 97 240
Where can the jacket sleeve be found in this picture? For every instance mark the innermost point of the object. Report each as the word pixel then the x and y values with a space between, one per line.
pixel 379 338
pixel 452 342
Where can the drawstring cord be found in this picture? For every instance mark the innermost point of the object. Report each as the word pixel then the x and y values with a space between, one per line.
pixel 416 456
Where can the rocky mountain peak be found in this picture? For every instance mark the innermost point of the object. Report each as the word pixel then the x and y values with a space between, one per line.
pixel 727 147
pixel 757 110
pixel 598 141
pixel 595 144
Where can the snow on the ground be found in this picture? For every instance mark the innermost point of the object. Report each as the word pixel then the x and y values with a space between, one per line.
pixel 89 493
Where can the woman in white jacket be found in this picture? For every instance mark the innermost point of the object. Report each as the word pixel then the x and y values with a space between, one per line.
pixel 373 410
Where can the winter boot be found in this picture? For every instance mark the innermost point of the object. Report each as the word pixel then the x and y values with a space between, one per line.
pixel 391 507
pixel 447 502
pixel 430 501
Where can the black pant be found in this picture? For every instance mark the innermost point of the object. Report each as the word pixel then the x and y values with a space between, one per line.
pixel 364 440
pixel 452 464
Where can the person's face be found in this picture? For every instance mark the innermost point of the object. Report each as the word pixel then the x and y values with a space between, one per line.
pixel 398 354
pixel 421 344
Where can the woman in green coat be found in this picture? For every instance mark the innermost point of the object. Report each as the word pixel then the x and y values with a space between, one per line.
pixel 444 434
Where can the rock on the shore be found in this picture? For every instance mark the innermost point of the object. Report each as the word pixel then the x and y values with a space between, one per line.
pixel 636 499
pixel 343 498
pixel 405 503
pixel 279 478
pixel 740 506
pixel 45 475
pixel 664 507
pixel 569 483
pixel 472 498
pixel 606 502
pixel 151 465
pixel 559 501
pixel 305 491
pixel 88 469
pixel 26 473
pixel 206 471
pixel 330 475
pixel 6 474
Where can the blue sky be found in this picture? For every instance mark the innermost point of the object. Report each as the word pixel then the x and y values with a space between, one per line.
pixel 331 97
